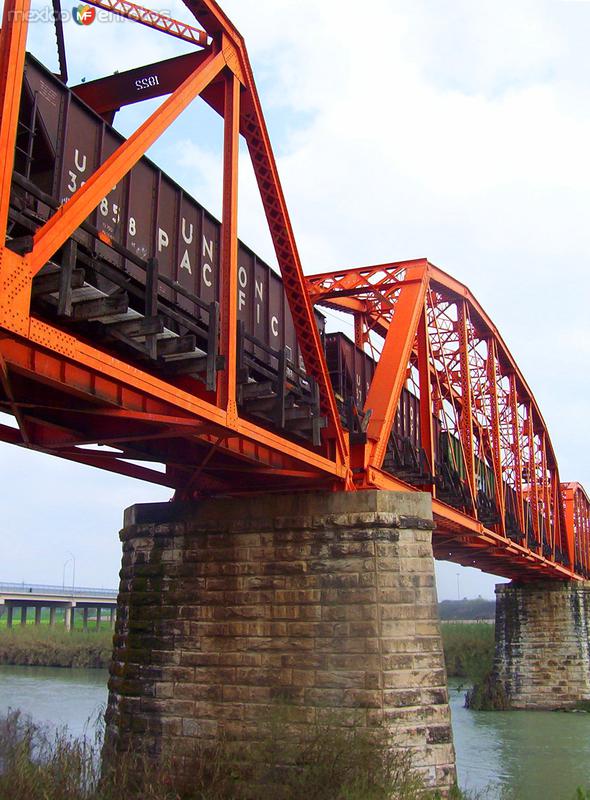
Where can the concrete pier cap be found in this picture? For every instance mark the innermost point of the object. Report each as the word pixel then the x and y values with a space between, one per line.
pixel 542 653
pixel 325 601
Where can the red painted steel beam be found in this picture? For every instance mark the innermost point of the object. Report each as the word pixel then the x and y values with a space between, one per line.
pixel 440 279
pixel 390 374
pixel 142 83
pixel 229 246
pixel 287 254
pixel 496 439
pixel 424 376
pixel 516 448
pixel 468 376
pixel 375 295
pixel 533 495
pixel 102 461
pixel 577 520
pixel 466 413
pixel 457 530
pixel 87 376
pixel 13 405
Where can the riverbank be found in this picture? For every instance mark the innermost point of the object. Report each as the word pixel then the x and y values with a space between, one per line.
pixel 469 648
pixel 513 754
pixel 42 646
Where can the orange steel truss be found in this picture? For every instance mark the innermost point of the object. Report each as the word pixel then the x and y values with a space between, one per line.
pixel 431 335
pixel 67 394
pixel 498 506
pixel 577 519
pixel 151 19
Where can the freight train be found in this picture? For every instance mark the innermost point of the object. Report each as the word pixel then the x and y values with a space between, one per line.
pixel 351 371
pixel 142 275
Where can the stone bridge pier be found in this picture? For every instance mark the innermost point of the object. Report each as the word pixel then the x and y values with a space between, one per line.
pixel 542 656
pixel 324 602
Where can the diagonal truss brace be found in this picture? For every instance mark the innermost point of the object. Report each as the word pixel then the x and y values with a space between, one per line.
pixel 390 375
pixel 13 37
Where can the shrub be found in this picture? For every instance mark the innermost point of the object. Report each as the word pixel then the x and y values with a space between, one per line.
pixel 486 695
pixel 332 763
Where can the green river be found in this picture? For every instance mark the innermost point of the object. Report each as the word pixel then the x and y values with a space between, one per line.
pixel 540 755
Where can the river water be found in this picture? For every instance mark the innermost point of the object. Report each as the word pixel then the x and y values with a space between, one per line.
pixel 540 755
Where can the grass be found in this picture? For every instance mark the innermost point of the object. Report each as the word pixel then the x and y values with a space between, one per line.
pixel 331 763
pixel 43 646
pixel 469 650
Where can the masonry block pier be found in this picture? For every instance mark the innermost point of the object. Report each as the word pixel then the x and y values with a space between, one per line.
pixel 325 602
pixel 542 657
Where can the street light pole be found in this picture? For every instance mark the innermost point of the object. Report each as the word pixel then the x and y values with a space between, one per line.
pixel 63 576
pixel 458 593
pixel 71 558
pixel 73 574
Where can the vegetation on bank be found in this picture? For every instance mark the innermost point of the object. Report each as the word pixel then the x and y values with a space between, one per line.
pixel 42 646
pixel 333 763
pixel 469 654
pixel 469 650
pixel 486 695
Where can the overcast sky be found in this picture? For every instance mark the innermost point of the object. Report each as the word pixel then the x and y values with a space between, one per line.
pixel 457 131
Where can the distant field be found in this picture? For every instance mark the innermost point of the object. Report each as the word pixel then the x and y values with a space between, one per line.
pixel 40 645
pixel 476 609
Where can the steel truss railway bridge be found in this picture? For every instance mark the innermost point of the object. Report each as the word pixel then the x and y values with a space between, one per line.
pixel 496 498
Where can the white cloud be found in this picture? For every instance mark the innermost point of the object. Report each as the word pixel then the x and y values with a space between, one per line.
pixel 459 132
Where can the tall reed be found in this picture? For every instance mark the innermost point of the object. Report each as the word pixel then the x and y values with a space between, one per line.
pixel 332 763
pixel 46 646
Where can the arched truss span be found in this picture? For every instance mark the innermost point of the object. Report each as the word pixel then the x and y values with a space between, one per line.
pixel 485 453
